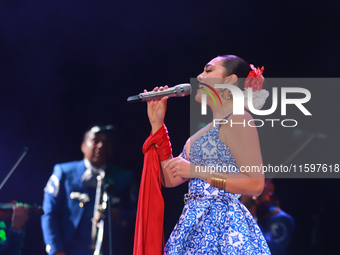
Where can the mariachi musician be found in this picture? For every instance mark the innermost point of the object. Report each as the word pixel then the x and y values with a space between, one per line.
pixel 11 240
pixel 277 226
pixel 73 198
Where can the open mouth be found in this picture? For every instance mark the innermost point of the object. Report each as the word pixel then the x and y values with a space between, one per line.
pixel 98 153
pixel 201 85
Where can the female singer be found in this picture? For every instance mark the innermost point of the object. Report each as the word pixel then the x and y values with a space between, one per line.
pixel 213 220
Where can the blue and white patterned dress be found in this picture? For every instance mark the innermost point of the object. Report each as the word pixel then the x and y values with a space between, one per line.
pixel 214 221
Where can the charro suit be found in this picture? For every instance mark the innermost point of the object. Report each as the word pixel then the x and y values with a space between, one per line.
pixel 66 223
pixel 277 229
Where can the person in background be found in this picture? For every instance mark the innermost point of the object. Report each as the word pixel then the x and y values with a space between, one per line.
pixel 11 241
pixel 277 226
pixel 70 196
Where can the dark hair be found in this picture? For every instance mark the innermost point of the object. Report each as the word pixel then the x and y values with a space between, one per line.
pixel 235 65
pixel 100 128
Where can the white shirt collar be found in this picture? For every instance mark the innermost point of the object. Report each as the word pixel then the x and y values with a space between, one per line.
pixel 89 165
pixel 98 170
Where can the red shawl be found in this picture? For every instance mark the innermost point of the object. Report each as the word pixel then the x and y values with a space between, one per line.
pixel 149 235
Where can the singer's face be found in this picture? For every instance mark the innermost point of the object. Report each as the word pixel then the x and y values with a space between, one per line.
pixel 96 148
pixel 213 73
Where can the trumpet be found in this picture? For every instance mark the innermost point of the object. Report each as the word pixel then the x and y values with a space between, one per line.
pixel 97 231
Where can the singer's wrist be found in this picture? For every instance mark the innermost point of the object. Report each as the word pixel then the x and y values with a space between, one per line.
pixel 156 127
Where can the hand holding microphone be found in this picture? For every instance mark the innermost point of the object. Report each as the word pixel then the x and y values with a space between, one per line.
pixel 157 108
pixel 157 100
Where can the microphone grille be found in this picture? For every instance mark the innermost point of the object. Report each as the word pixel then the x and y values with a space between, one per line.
pixel 183 89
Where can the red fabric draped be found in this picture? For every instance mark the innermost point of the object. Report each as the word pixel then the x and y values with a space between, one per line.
pixel 149 235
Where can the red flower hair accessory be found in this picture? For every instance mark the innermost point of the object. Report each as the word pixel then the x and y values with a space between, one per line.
pixel 254 79
pixel 253 88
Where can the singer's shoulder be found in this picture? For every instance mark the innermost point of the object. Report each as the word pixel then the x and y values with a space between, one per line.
pixel 236 122
pixel 246 116
pixel 238 128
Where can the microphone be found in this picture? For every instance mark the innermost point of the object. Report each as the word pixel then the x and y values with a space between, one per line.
pixel 179 90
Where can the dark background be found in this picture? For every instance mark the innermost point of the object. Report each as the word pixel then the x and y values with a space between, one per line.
pixel 66 65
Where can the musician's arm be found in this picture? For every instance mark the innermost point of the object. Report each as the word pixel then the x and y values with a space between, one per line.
pixel 54 193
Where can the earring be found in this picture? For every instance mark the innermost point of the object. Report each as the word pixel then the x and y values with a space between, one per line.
pixel 223 94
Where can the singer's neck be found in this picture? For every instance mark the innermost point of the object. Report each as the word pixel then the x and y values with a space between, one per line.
pixel 220 111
